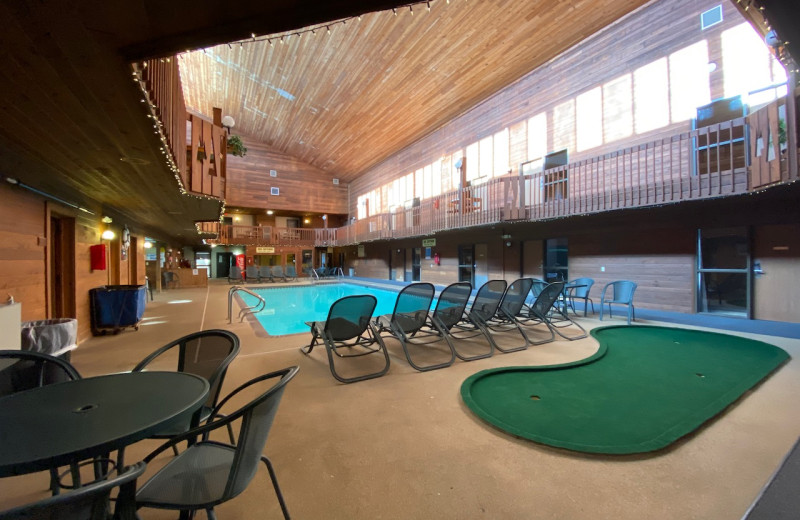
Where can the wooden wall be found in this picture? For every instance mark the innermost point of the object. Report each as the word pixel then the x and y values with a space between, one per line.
pixel 650 33
pixel 22 251
pixel 302 187
pixel 775 293
pixel 25 267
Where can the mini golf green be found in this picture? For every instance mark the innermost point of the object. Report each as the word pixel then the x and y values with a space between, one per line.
pixel 644 388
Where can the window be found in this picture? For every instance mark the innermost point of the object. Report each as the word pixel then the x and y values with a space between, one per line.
pixel 651 96
pixel 589 108
pixel 473 161
pixel 556 259
pixel 711 17
pixel 537 136
pixel 501 160
pixel 564 125
pixel 618 108
pixel 723 272
pixel 274 191
pixel 486 170
pixel 688 79
pixel 748 66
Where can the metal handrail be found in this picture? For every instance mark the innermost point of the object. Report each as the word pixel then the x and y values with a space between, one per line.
pixel 246 310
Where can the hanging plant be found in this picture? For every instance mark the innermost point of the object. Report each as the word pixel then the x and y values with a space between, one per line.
pixel 236 146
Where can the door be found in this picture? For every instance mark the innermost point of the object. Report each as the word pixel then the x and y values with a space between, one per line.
pixel 466 264
pixel 133 262
pixel 776 262
pixel 556 260
pixel 61 265
pixel 224 264
pixel 397 264
pixel 723 272
pixel 416 261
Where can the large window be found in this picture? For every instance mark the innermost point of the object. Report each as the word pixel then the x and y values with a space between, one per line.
pixel 651 96
pixel 723 272
pixel 749 66
pixel 556 260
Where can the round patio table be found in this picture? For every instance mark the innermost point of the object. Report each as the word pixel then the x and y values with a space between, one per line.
pixel 65 423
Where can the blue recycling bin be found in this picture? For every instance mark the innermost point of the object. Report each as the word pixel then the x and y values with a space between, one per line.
pixel 115 307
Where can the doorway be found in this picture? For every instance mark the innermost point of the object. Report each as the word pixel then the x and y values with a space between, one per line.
pixel 416 264
pixel 466 264
pixel 224 261
pixel 723 272
pixel 556 260
pixel 61 265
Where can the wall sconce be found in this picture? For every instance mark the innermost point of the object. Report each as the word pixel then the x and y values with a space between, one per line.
pixel 307 221
pixel 148 244
pixel 108 235
pixel 324 217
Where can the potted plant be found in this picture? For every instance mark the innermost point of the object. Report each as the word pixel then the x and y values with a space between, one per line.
pixel 236 146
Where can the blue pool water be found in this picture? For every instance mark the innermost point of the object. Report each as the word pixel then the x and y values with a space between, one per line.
pixel 288 308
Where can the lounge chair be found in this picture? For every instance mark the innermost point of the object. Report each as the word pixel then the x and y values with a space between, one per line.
pixel 473 321
pixel 449 310
pixel 291 273
pixel 235 275
pixel 277 274
pixel 621 294
pixel 322 272
pixel 251 274
pixel 264 273
pixel 410 315
pixel 505 319
pixel 545 310
pixel 347 333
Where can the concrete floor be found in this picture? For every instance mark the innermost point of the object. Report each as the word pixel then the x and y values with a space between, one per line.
pixel 405 447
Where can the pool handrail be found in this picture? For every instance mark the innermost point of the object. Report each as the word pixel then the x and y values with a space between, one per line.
pixel 246 310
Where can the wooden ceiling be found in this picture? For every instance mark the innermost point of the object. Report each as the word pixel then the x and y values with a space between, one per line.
pixel 346 100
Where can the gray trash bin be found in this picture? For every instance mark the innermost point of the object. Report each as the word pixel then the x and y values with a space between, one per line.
pixel 54 337
pixel 352 272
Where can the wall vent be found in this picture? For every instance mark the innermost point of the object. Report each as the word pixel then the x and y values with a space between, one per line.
pixel 336 182
pixel 711 17
pixel 274 191
pixel 273 173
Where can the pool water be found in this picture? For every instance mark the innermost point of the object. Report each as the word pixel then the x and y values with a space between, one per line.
pixel 288 308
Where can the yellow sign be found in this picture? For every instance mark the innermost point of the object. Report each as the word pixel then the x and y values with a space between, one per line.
pixel 265 250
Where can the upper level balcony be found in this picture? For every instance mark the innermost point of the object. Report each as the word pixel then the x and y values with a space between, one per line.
pixel 734 157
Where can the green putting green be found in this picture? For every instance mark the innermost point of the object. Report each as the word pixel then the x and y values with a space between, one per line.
pixel 644 388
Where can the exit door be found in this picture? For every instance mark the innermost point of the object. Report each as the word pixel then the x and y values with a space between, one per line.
pixel 224 264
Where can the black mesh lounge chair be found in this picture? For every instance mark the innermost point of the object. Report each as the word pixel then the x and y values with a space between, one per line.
pixel 206 354
pixel 209 473
pixel 449 310
pixel 265 273
pixel 251 274
pixel 483 308
pixel 90 502
pixel 505 319
pixel 277 274
pixel 235 274
pixel 291 273
pixel 22 370
pixel 410 315
pixel 545 310
pixel 348 332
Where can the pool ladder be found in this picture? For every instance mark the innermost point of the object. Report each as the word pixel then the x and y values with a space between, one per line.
pixel 246 310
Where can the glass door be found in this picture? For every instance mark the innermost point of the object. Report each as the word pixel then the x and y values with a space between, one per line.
pixel 416 260
pixel 723 272
pixel 466 264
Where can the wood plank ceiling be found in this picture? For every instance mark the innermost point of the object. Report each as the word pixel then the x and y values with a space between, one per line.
pixel 346 100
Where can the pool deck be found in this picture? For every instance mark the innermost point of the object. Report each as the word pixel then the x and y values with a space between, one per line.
pixel 405 447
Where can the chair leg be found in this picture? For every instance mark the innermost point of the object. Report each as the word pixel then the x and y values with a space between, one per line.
pixel 275 485
pixel 230 433
pixel 210 514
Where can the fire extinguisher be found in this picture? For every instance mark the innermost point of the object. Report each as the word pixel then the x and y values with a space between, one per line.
pixel 436 258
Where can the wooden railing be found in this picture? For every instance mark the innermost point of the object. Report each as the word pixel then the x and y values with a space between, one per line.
pixel 709 162
pixel 199 173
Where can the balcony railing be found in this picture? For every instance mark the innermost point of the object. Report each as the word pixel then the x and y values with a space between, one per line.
pixel 714 161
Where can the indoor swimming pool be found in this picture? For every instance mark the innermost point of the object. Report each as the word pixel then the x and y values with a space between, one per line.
pixel 289 307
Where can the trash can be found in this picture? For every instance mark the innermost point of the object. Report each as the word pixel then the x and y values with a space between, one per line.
pixel 352 272
pixel 114 307
pixel 55 337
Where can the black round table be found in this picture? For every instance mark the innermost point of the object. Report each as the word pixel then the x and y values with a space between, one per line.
pixel 64 423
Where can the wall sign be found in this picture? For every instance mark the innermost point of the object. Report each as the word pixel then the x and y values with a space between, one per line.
pixel 429 242
pixel 267 250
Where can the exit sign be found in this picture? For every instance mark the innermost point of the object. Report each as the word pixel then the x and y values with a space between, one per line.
pixel 429 242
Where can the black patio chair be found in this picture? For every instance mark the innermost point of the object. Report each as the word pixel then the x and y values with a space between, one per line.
pixel 252 274
pixel 209 473
pixel 90 502
pixel 473 322
pixel 505 319
pixel 347 333
pixel 545 310
pixel 409 317
pixel 22 370
pixel 235 274
pixel 449 310
pixel 206 354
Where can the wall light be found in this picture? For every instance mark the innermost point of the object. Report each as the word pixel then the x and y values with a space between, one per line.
pixel 228 123
pixel 307 221
pixel 108 235
pixel 148 244
pixel 270 212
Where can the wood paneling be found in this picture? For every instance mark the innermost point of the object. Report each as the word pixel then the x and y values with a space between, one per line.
pixel 302 187
pixel 650 33
pixel 347 100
